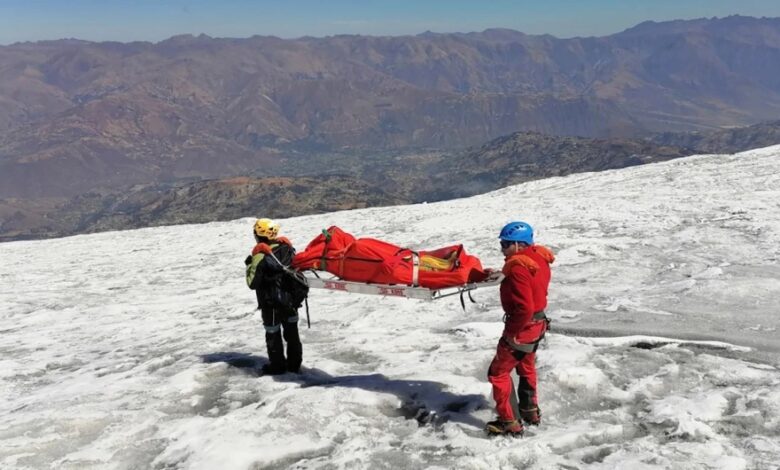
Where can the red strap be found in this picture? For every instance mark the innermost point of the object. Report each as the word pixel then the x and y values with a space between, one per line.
pixel 283 240
pixel 261 248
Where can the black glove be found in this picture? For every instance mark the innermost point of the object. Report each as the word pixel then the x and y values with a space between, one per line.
pixel 248 260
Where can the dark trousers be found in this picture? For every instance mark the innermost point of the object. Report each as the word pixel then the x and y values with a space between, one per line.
pixel 282 323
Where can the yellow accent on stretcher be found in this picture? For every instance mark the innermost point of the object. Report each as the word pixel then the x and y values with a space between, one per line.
pixel 432 263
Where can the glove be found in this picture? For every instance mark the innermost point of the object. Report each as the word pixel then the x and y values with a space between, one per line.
pixel 248 260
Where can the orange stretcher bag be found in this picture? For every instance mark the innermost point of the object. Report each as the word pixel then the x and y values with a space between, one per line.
pixel 378 262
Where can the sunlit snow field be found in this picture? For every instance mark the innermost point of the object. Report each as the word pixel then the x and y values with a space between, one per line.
pixel 140 349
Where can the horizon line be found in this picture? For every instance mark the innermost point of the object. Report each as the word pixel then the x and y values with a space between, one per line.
pixel 423 33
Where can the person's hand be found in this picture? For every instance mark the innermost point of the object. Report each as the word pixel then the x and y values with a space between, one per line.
pixel 248 260
pixel 489 274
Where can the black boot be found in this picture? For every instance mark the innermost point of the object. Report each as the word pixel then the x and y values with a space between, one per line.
pixel 273 369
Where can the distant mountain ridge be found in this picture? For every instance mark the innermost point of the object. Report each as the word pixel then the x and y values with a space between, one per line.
pixel 336 182
pixel 78 116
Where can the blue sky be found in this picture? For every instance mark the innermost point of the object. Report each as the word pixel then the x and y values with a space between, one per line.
pixel 154 20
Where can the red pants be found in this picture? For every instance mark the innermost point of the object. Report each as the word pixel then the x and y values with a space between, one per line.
pixel 499 375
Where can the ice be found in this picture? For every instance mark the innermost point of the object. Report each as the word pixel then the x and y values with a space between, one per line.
pixel 142 349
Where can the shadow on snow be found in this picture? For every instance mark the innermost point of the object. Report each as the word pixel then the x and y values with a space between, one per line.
pixel 422 400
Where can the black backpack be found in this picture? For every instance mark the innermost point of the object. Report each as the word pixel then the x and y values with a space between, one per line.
pixel 296 287
pixel 292 288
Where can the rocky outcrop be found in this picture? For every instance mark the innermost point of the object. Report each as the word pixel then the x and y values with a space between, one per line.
pixel 725 141
pixel 524 156
pixel 196 202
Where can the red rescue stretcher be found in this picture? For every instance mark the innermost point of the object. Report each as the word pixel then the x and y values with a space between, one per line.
pixel 370 266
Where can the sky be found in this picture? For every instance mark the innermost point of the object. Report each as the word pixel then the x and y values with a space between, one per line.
pixel 155 20
pixel 141 349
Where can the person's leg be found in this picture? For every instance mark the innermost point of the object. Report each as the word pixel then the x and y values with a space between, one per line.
pixel 293 339
pixel 527 399
pixel 499 376
pixel 273 342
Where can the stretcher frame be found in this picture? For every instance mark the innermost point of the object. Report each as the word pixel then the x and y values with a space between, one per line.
pixel 334 283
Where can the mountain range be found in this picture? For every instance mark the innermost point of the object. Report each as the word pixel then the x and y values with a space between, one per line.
pixel 76 116
pixel 116 135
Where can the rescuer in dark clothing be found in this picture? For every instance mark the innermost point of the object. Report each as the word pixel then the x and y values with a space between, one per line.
pixel 265 273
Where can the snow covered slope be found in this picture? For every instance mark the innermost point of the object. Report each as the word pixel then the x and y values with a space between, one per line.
pixel 139 349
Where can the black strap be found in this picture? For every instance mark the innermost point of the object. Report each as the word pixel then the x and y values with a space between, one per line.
pixel 456 261
pixel 308 320
pixel 462 301
pixel 529 347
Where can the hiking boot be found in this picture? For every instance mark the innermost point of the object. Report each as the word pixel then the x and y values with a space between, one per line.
pixel 504 428
pixel 273 369
pixel 293 368
pixel 532 416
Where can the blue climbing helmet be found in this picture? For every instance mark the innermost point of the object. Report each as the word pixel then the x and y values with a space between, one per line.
pixel 517 232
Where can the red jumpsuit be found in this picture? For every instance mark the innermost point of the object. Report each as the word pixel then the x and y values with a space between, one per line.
pixel 523 293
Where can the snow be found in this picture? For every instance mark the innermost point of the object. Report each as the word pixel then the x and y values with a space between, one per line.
pixel 140 349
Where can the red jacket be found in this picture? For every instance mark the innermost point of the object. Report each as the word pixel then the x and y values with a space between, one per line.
pixel 524 292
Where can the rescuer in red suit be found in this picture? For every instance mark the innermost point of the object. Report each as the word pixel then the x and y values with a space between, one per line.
pixel 523 298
